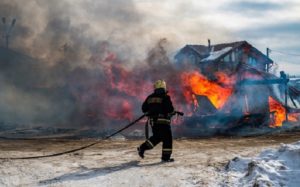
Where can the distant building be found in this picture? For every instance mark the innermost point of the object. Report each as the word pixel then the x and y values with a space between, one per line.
pixel 223 57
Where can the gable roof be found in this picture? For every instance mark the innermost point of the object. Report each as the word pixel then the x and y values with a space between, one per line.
pixel 202 50
pixel 218 51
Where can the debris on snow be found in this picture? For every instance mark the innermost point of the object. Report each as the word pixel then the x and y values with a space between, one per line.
pixel 271 168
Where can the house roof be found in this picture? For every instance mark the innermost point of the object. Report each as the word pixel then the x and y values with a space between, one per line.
pixel 218 51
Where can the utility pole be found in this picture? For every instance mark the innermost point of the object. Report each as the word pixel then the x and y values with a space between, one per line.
pixel 285 80
pixel 268 54
pixel 7 30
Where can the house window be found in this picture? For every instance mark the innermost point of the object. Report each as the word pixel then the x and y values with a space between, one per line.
pixel 233 56
pixel 227 58
pixel 252 61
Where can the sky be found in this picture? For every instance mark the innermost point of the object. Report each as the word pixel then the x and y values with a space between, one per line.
pixel 133 27
pixel 270 23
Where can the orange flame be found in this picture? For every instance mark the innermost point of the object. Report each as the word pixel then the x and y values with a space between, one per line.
pixel 224 79
pixel 124 111
pixel 293 117
pixel 279 113
pixel 197 84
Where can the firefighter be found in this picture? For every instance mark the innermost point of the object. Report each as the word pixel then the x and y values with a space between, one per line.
pixel 158 107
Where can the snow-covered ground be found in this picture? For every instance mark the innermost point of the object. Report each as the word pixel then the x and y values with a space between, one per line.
pixel 198 162
pixel 273 167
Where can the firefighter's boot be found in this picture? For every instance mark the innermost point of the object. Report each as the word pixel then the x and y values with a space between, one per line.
pixel 168 160
pixel 141 151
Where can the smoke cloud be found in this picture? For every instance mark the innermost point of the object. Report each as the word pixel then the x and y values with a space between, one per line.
pixel 83 63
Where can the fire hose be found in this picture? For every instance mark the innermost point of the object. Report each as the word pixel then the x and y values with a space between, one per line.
pixel 87 146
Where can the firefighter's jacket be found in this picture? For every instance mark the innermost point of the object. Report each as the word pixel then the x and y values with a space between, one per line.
pixel 158 105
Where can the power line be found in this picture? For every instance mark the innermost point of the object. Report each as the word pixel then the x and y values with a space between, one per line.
pixel 284 53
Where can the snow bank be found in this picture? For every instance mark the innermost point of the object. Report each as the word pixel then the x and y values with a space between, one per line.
pixel 272 167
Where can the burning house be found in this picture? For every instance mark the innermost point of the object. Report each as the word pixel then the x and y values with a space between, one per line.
pixel 231 88
pixel 219 87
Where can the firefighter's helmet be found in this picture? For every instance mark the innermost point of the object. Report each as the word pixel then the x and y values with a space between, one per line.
pixel 160 84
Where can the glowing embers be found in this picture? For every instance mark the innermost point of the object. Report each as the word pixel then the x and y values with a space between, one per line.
pixel 197 84
pixel 295 117
pixel 278 113
pixel 121 109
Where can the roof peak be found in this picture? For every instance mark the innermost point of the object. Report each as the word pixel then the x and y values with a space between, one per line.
pixel 228 43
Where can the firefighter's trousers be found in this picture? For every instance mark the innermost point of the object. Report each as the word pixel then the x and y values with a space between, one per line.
pixel 161 133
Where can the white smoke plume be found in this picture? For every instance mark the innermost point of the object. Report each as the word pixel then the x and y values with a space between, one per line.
pixel 85 50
